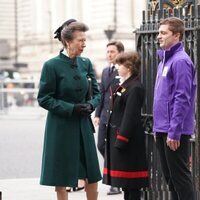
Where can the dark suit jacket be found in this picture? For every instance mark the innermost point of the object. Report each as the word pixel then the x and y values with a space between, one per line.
pixel 107 86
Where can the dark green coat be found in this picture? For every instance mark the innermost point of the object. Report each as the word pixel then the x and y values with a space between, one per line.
pixel 69 148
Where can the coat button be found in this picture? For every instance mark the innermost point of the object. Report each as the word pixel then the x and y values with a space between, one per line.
pixel 73 65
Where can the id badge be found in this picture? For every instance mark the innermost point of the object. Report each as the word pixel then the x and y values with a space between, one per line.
pixel 165 70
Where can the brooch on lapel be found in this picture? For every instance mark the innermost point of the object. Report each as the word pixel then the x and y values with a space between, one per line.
pixel 119 94
pixel 122 91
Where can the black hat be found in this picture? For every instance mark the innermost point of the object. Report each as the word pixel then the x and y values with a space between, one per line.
pixel 58 31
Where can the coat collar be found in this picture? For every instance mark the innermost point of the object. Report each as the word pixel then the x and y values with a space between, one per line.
pixel 72 62
pixel 130 81
pixel 168 53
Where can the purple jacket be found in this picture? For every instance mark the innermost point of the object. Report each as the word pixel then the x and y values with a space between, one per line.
pixel 174 93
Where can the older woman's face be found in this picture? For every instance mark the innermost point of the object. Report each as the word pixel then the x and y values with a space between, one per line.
pixel 76 46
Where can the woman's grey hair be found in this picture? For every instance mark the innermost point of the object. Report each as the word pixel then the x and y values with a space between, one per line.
pixel 67 33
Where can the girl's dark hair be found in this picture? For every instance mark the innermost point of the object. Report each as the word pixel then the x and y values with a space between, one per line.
pixel 130 60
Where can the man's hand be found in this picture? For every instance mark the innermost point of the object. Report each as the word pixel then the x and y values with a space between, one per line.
pixel 96 121
pixel 173 144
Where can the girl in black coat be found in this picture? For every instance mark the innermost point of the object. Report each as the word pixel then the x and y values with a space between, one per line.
pixel 125 157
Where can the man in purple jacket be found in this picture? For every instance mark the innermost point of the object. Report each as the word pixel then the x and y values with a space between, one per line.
pixel 173 108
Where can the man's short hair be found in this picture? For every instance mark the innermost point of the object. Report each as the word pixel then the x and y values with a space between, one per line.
pixel 118 44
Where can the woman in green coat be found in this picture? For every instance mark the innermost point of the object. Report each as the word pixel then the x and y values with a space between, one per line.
pixel 69 151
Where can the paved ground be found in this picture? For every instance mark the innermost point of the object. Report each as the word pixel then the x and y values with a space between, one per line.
pixel 21 140
pixel 29 189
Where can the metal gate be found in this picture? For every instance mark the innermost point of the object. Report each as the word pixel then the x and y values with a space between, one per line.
pixel 147 45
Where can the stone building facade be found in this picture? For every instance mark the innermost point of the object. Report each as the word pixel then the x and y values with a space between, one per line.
pixel 27 27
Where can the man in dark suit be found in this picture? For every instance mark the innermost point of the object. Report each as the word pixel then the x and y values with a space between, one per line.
pixel 109 81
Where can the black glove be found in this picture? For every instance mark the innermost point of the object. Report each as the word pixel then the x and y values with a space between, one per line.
pixel 83 109
pixel 78 108
pixel 88 109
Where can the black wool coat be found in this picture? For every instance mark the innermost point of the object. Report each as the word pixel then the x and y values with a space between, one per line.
pixel 125 162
